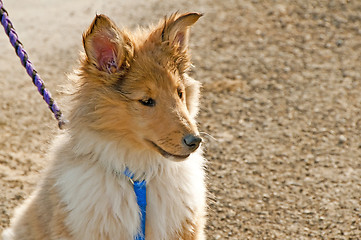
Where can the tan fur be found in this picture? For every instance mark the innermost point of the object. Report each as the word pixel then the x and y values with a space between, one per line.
pixel 43 215
pixel 84 194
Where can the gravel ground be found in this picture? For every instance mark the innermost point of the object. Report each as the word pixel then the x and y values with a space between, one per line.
pixel 281 101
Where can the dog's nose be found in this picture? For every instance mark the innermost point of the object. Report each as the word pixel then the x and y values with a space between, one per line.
pixel 191 141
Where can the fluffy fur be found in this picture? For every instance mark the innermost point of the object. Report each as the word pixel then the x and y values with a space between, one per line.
pixel 133 107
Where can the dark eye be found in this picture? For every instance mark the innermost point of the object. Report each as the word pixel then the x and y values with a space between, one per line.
pixel 180 93
pixel 150 102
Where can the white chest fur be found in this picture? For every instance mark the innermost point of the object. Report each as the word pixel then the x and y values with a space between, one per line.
pixel 102 205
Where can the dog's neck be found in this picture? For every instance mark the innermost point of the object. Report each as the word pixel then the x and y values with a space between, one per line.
pixel 115 156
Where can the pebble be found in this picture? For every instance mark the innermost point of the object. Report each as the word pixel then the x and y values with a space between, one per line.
pixel 342 139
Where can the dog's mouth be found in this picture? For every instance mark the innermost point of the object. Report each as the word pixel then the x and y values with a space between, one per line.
pixel 167 154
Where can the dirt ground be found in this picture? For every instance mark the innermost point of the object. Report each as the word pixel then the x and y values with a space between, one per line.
pixel 281 98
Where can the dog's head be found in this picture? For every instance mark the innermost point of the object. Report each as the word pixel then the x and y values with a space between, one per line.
pixel 135 86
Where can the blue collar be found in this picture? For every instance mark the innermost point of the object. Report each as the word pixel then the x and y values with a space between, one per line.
pixel 140 190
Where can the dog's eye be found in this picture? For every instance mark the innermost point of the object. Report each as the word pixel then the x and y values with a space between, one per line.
pixel 180 93
pixel 150 102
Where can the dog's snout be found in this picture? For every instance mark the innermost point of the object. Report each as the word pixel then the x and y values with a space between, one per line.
pixel 192 142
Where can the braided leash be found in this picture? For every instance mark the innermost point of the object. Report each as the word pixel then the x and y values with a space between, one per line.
pixel 21 53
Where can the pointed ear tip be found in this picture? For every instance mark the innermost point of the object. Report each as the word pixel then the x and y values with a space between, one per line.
pixel 192 15
pixel 101 17
pixel 101 21
pixel 195 14
pixel 199 14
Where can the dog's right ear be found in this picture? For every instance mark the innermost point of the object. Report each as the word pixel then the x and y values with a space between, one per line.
pixel 106 47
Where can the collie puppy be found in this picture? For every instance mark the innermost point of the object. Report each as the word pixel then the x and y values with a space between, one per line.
pixel 134 108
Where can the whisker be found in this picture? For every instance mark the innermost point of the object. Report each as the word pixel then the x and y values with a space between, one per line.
pixel 209 136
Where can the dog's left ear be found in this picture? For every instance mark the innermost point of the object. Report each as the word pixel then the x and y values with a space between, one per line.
pixel 176 30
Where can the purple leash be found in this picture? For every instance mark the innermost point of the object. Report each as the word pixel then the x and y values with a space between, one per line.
pixel 19 49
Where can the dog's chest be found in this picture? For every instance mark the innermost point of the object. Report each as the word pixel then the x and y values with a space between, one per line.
pixel 103 207
pixel 171 207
